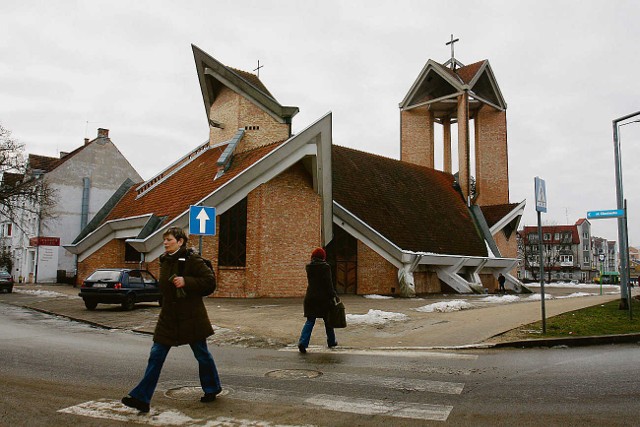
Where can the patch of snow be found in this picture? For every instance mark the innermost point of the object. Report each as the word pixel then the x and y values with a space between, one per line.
pixel 445 306
pixel 577 294
pixel 538 297
pixel 377 297
pixel 500 299
pixel 48 294
pixel 376 317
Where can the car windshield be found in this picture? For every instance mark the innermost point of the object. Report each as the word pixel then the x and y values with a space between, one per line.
pixel 105 275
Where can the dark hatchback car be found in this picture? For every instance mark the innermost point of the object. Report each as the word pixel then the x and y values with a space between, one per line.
pixel 6 282
pixel 119 286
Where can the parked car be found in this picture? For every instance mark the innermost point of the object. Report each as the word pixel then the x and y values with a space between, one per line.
pixel 119 286
pixel 6 282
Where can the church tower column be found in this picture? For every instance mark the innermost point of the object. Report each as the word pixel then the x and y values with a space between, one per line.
pixel 416 136
pixel 464 161
pixel 492 168
pixel 446 141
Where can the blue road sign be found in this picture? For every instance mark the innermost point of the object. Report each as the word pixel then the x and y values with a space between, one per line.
pixel 611 213
pixel 541 194
pixel 202 220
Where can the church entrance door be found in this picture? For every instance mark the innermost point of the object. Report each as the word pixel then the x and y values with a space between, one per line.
pixel 342 254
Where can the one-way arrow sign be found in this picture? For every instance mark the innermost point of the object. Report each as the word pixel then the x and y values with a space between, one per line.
pixel 202 220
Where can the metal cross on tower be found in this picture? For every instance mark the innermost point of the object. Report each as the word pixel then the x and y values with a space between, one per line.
pixel 258 69
pixel 453 62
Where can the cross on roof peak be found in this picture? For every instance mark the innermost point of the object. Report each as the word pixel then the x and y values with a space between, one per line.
pixel 453 62
pixel 257 70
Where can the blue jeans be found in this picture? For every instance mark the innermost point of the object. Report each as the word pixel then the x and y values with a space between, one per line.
pixel 305 336
pixel 209 379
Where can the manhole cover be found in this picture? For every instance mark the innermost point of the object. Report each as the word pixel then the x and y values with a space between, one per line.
pixel 289 374
pixel 189 393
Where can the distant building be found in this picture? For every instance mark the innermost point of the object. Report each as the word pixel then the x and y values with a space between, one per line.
pixel 84 180
pixel 570 253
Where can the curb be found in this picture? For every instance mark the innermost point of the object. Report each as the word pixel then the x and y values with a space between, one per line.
pixel 571 342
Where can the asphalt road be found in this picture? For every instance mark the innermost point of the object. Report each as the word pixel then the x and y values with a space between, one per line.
pixel 57 372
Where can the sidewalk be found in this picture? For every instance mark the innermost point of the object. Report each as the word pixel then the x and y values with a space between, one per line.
pixel 276 322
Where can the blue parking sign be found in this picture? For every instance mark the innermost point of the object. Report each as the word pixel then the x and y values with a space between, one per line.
pixel 202 220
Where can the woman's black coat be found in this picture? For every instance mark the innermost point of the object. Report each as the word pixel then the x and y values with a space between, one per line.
pixel 320 291
pixel 184 320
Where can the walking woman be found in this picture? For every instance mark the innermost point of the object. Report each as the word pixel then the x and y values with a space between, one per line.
pixel 184 280
pixel 318 299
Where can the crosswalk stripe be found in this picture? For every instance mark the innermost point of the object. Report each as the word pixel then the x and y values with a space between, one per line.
pixel 409 384
pixel 412 352
pixel 419 411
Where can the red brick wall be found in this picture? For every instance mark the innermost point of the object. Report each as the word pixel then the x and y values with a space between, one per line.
pixel 508 248
pixel 236 112
pixel 492 163
pixel 284 223
pixel 416 136
pixel 376 275
pixel 110 255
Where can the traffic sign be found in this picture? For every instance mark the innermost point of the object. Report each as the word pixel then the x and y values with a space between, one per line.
pixel 541 195
pixel 611 213
pixel 202 220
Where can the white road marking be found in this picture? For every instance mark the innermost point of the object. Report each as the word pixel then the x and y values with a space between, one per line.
pixel 418 411
pixel 396 383
pixel 413 352
pixel 116 411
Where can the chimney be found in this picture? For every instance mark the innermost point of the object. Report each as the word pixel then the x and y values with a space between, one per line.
pixel 103 133
pixel 86 141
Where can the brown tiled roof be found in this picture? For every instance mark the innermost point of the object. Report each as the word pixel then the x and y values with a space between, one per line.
pixel 468 72
pixel 11 179
pixel 44 163
pixel 48 164
pixel 494 213
pixel 252 79
pixel 414 207
pixel 187 186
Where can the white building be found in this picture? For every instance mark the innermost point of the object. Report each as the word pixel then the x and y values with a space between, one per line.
pixel 84 180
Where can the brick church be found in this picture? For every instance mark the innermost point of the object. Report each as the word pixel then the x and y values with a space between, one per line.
pixel 390 227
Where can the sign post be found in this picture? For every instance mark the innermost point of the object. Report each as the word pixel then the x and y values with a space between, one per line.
pixel 202 222
pixel 621 214
pixel 541 206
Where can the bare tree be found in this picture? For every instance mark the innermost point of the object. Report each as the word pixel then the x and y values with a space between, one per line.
pixel 22 190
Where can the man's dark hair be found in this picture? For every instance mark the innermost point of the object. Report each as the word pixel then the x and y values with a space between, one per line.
pixel 178 233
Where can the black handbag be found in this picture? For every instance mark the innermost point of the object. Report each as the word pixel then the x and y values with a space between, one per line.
pixel 337 317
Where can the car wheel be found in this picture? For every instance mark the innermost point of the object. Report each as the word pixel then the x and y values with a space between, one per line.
pixel 129 302
pixel 91 305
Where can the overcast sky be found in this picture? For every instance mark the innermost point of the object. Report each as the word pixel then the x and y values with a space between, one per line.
pixel 565 68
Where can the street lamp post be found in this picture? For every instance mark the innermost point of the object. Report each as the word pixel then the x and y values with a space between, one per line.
pixel 622 222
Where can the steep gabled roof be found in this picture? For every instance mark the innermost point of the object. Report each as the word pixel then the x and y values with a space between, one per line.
pixel 438 86
pixel 414 207
pixel 47 164
pixel 212 75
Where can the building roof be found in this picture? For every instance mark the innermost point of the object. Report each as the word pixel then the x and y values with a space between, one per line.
pixel 188 185
pixel 212 75
pixel 414 207
pixel 439 86
pixel 494 213
pixel 553 230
